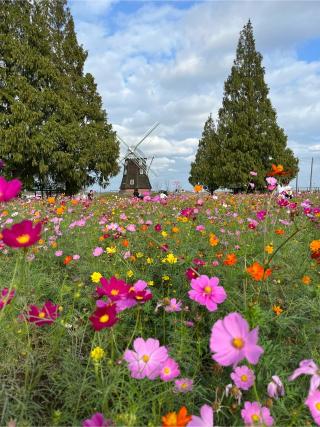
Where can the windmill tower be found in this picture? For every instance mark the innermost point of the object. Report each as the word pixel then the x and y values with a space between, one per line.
pixel 135 168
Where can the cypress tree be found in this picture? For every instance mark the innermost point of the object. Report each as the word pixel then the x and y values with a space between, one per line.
pixel 63 133
pixel 202 169
pixel 248 133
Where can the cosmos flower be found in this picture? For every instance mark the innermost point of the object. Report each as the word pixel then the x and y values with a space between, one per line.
pixel 173 306
pixel 169 370
pixel 97 420
pixel 97 251
pixel 147 359
pixel 22 235
pixel 9 189
pixel 231 341
pixel 176 419
pixel 243 377
pixel 6 297
pixel 254 414
pixel 205 419
pixel 313 403
pixel 257 272
pixel 206 292
pixel 308 367
pixel 184 385
pixel 275 387
pixel 103 317
pixel 43 316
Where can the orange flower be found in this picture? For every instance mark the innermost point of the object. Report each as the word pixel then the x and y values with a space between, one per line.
pixel 51 200
pixel 67 260
pixel 125 243
pixel 277 170
pixel 257 272
pixel 60 210
pixel 144 227
pixel 175 229
pixel 315 246
pixel 173 419
pixel 197 188
pixel 277 310
pixel 213 239
pixel 279 231
pixel 230 259
pixel 74 202
pixel 306 280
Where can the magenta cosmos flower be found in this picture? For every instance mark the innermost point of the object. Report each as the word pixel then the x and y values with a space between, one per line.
pixel 104 317
pixel 206 292
pixel 205 419
pixel 6 297
pixel 254 414
pixel 275 388
pixel 147 359
pixel 313 403
pixel 170 370
pixel 231 341
pixel 45 315
pixel 97 420
pixel 243 377
pixel 308 367
pixel 9 189
pixel 22 234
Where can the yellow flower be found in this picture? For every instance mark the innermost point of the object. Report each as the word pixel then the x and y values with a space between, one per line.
pixel 149 260
pixel 175 229
pixel 151 283
pixel 165 278
pixel 315 246
pixel 97 354
pixel 95 277
pixel 164 233
pixel 306 280
pixel 130 273
pixel 139 254
pixel 111 250
pixel 277 310
pixel 213 239
pixel 41 242
pixel 170 259
pixel 269 249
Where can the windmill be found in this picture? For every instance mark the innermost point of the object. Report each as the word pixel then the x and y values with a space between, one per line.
pixel 135 168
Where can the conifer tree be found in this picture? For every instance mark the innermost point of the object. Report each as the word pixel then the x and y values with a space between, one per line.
pixel 53 129
pixel 203 168
pixel 248 133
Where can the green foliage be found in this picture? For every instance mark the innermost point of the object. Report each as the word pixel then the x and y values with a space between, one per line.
pixel 248 136
pixel 202 170
pixel 53 130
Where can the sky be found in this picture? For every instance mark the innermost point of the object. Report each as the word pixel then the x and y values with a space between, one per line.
pixel 166 61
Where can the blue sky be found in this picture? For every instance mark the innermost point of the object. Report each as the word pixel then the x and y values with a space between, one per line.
pixel 167 61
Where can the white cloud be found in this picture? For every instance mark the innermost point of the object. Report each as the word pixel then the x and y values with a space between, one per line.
pixel 162 63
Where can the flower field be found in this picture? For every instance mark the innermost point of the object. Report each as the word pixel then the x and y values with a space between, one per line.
pixel 194 310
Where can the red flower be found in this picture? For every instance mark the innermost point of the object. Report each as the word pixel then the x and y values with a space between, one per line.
pixel 140 296
pixel 230 259
pixel 191 273
pixel 257 272
pixel 103 317
pixel 113 288
pixel 43 316
pixel 22 234
pixel 6 297
pixel 9 189
pixel 67 259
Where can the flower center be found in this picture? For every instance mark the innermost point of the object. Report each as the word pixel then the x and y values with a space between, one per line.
pixel 238 343
pixel 244 378
pixel 42 315
pixel 167 371
pixel 24 238
pixel 318 406
pixel 139 297
pixel 104 318
pixel 255 418
pixel 207 290
pixel 114 291
pixel 184 385
pixel 145 358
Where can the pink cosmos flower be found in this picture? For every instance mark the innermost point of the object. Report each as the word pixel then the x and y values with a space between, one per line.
pixel 58 253
pixel 261 215
pixel 170 370
pixel 243 377
pixel 97 251
pixel 253 173
pixel 97 420
pixel 22 235
pixel 173 306
pixel 205 420
pixel 206 292
pixel 254 414
pixel 231 341
pixel 76 257
pixel 131 227
pixel 313 403
pixel 308 367
pixel 272 183
pixel 43 316
pixel 275 388
pixel 6 297
pixel 9 189
pixel 200 227
pixel 183 385
pixel 147 359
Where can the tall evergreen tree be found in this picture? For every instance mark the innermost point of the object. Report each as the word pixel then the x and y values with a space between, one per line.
pixel 202 169
pixel 53 129
pixel 248 133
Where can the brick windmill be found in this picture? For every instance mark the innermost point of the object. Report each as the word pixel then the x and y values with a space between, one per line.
pixel 135 167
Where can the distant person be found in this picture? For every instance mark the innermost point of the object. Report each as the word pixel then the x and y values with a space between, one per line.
pixel 90 195
pixel 163 195
pixel 137 194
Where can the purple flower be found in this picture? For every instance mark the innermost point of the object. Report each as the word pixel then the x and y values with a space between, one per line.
pixel 206 292
pixel 231 341
pixel 183 385
pixel 205 420
pixel 275 387
pixel 254 414
pixel 147 359
pixel 243 377
pixel 261 215
pixel 97 251
pixel 313 403
pixel 308 367
pixel 97 420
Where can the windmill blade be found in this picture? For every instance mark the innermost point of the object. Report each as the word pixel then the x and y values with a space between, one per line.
pixel 150 170
pixel 123 142
pixel 136 161
pixel 147 134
